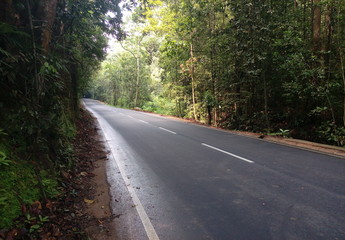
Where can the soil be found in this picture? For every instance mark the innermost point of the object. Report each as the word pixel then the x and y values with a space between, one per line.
pixel 97 221
pixel 311 146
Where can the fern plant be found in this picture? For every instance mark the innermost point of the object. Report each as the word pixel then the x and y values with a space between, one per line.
pixel 3 159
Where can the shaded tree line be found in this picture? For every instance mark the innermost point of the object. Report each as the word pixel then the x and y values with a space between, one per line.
pixel 265 66
pixel 48 50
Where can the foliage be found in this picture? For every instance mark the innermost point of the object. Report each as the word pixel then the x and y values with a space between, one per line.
pixel 3 159
pixel 48 50
pixel 15 180
pixel 242 64
pixel 330 133
pixel 160 105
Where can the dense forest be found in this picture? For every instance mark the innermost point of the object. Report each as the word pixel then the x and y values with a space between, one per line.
pixel 275 67
pixel 48 50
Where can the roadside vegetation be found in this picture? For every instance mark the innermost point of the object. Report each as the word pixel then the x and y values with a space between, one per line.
pixel 48 50
pixel 274 67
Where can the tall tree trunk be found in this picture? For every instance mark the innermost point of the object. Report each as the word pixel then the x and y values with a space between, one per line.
pixel 340 34
pixel 6 11
pixel 212 22
pixel 137 83
pixel 328 39
pixel 48 14
pixel 137 58
pixel 74 69
pixel 33 40
pixel 266 104
pixel 326 59
pixel 193 80
pixel 343 77
pixel 316 27
pixel 304 19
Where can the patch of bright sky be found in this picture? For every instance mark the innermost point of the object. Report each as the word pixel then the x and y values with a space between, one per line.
pixel 114 46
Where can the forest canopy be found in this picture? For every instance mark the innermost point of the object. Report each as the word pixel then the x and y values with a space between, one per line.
pixel 48 50
pixel 275 67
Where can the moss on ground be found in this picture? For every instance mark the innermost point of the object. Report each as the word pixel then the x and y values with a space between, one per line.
pixel 19 184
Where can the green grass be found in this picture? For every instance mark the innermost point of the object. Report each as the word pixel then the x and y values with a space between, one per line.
pixel 19 185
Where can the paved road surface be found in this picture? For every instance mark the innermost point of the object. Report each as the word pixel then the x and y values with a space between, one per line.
pixel 192 182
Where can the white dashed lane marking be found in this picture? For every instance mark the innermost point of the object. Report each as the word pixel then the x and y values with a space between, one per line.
pixel 228 153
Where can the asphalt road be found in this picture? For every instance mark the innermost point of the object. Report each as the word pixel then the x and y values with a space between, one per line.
pixel 192 182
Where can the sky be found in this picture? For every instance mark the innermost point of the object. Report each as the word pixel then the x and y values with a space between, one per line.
pixel 114 46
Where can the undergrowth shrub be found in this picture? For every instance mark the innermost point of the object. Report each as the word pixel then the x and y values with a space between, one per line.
pixel 20 185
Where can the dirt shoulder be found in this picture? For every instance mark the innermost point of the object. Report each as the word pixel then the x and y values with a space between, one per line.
pixel 311 146
pixel 95 199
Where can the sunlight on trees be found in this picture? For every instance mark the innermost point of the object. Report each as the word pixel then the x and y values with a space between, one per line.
pixel 248 65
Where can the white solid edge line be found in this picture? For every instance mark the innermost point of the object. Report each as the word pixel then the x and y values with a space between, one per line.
pixel 231 154
pixel 150 231
pixel 167 130
pixel 143 121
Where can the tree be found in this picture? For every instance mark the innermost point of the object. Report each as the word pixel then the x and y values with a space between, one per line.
pixel 250 65
pixel 47 50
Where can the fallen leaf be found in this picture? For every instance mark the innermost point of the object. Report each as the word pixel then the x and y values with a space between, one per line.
pixel 37 204
pixel 36 207
pixel 56 231
pixel 66 175
pixel 12 234
pixel 88 201
pixel 23 208
pixel 84 174
pixel 49 204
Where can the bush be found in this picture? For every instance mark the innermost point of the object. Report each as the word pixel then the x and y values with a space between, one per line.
pixel 160 105
pixel 20 185
pixel 330 133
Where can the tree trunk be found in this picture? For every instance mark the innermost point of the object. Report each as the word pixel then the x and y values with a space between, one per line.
pixel 37 81
pixel 137 83
pixel 209 113
pixel 192 78
pixel 316 26
pixel 6 11
pixel 48 14
pixel 266 105
pixel 74 70
pixel 340 33
pixel 215 117
pixel 304 19
pixel 137 58
pixel 343 77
